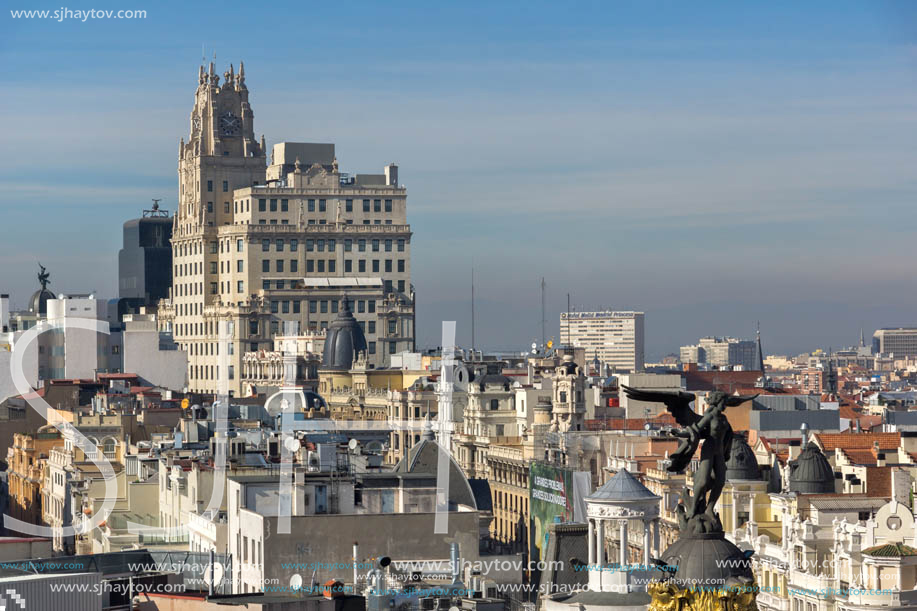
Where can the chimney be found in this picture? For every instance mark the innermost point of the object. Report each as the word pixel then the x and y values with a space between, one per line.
pixel 901 486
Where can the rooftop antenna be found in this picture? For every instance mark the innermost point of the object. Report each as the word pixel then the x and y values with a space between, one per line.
pixel 472 310
pixel 568 319
pixel 542 315
pixel 155 211
pixel 203 54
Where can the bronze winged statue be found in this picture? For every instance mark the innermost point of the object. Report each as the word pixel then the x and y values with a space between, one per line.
pixel 712 427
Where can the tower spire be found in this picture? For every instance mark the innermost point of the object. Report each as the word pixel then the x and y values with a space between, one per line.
pixel 765 382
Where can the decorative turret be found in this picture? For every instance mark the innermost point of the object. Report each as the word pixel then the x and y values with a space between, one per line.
pixel 741 464
pixel 569 406
pixel 811 473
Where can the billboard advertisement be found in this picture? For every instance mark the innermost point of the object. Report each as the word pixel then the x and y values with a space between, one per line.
pixel 555 495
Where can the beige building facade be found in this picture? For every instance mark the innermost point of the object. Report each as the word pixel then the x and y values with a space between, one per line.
pixel 256 246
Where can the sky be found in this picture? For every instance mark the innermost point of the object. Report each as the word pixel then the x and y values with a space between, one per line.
pixel 712 164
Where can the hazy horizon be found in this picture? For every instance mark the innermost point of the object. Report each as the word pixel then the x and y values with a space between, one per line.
pixel 711 166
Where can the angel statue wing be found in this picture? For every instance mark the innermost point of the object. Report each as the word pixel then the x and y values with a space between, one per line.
pixel 737 400
pixel 678 403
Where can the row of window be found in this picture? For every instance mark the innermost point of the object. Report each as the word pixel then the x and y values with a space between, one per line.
pixel 207 372
pixel 223 246
pixel 313 245
pixel 270 205
pixel 312 265
pixel 217 288
pixel 281 284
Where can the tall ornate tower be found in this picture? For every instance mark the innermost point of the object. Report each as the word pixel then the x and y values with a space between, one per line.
pixel 221 155
pixel 569 405
pixel 251 257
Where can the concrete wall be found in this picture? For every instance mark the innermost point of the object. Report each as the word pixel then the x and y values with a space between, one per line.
pixel 640 409
pixel 329 539
pixel 30 364
pixel 141 353
pixel 14 548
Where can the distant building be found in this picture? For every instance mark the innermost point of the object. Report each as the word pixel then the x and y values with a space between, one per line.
pixel 145 259
pixel 616 338
pixel 900 341
pixel 722 352
pixel 819 379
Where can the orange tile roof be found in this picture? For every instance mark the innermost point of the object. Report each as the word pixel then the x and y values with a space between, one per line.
pixel 860 457
pixel 879 481
pixel 852 441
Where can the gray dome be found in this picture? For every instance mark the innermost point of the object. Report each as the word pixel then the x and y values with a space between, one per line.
pixel 344 340
pixel 622 487
pixel 708 559
pixel 742 464
pixel 811 473
pixel 38 304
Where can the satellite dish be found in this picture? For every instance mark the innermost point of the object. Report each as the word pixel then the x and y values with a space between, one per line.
pixel 296 582
pixel 292 444
pixel 218 572
pixel 534 346
pixel 647 426
pixel 353 444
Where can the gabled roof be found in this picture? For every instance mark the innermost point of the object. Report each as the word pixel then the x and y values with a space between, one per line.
pixel 853 441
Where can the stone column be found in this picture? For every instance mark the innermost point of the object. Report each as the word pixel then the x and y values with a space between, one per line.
pixel 622 526
pixel 657 545
pixel 646 543
pixel 591 539
pixel 735 510
pixel 600 542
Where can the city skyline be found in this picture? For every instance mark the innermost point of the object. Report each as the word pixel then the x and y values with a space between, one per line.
pixel 525 125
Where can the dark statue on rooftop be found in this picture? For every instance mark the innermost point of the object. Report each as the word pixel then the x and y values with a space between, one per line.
pixel 696 512
pixel 43 277
pixel 710 572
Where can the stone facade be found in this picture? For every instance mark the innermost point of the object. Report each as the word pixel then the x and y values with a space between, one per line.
pixel 255 247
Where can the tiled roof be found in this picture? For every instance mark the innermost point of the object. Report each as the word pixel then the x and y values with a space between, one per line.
pixel 848 502
pixel 891 550
pixel 852 441
pixel 879 482
pixel 628 424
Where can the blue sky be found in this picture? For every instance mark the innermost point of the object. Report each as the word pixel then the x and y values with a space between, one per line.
pixel 712 164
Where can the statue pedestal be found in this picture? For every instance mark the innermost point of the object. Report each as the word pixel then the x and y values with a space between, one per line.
pixel 707 573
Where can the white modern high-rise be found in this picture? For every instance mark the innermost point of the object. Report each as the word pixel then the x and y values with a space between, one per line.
pixel 616 338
